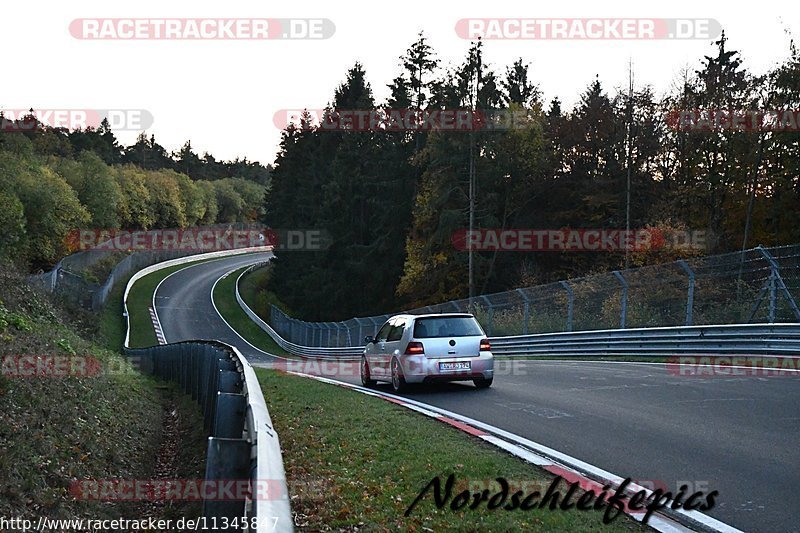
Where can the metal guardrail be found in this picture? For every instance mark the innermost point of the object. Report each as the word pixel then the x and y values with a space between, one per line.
pixel 755 286
pixel 292 348
pixel 738 339
pixel 243 441
pixel 243 445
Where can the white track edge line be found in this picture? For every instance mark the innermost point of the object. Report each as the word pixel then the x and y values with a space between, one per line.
pixel 545 453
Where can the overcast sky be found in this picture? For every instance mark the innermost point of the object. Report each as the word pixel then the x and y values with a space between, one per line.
pixel 222 94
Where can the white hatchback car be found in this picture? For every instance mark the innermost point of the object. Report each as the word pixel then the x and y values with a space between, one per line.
pixel 428 348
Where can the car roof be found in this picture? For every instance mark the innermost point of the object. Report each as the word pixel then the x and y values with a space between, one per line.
pixel 433 315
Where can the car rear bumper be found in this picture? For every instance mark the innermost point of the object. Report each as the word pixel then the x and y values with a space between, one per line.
pixel 419 369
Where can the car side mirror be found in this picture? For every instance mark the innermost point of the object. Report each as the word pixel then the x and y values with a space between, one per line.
pixel 368 339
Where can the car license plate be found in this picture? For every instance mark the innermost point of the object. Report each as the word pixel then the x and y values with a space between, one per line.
pixel 455 366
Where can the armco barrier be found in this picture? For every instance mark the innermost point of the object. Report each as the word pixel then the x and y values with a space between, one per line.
pixel 755 286
pixel 243 445
pixel 739 339
pixel 296 349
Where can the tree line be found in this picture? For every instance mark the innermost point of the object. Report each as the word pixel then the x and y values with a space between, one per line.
pixel 54 181
pixel 392 200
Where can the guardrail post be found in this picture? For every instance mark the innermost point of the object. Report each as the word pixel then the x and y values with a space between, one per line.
pixel 570 303
pixel 624 300
pixel 690 292
pixel 227 460
pixel 526 312
pixel 220 379
pixel 229 419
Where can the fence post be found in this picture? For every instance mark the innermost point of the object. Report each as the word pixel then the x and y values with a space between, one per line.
pixel 776 281
pixel 570 303
pixel 526 311
pixel 490 319
pixel 624 299
pixel 360 331
pixel 375 326
pixel 772 295
pixel 690 293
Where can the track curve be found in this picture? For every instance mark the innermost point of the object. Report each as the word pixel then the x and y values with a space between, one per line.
pixel 737 435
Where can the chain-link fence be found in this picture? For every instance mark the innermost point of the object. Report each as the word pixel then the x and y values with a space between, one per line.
pixel 75 276
pixel 759 285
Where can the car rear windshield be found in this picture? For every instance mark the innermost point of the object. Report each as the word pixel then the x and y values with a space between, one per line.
pixel 453 326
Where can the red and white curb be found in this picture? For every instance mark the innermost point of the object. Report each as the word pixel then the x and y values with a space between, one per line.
pixel 569 468
pixel 157 326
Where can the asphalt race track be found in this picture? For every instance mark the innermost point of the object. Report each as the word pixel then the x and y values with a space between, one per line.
pixel 737 435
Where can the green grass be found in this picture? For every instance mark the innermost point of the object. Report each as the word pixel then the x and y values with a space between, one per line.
pixel 112 323
pixel 357 462
pixel 104 424
pixel 140 298
pixel 255 291
pixel 229 308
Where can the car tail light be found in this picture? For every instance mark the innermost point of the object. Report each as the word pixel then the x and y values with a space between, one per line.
pixel 415 348
pixel 485 346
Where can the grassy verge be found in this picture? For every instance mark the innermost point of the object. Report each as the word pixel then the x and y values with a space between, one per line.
pixel 254 289
pixel 354 462
pixel 225 300
pixel 102 420
pixel 140 299
pixel 111 326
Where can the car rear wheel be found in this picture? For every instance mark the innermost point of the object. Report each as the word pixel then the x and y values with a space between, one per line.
pixel 398 380
pixel 483 383
pixel 365 377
